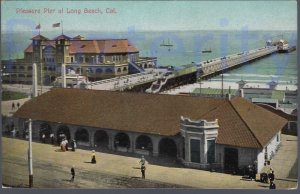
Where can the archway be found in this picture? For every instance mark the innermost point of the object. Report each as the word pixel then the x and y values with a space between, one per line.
pixel 144 142
pixel 82 135
pixel 101 139
pixel 167 147
pixel 63 131
pixel 45 128
pixel 122 140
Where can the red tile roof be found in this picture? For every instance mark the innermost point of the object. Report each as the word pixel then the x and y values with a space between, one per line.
pixel 62 37
pixel 107 46
pixel 39 37
pixel 242 123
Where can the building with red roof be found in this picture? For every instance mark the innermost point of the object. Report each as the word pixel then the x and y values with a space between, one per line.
pixel 95 59
pixel 201 132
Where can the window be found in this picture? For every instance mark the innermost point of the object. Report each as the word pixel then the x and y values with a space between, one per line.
pixel 98 70
pixel 108 70
pixel 87 59
pixel 29 68
pixel 195 150
pixel 211 151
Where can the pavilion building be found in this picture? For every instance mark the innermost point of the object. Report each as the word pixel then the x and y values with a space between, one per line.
pixel 201 132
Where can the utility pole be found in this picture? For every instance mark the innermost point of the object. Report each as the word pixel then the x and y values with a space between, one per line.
pixel 222 87
pixel 30 155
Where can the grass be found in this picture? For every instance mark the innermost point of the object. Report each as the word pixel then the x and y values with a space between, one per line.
pixel 8 95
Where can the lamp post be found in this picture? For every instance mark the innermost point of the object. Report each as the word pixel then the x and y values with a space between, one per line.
pixel 30 169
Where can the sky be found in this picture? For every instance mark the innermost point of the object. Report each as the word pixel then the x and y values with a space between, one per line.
pixel 150 15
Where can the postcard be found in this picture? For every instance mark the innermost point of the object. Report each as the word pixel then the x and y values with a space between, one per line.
pixel 149 94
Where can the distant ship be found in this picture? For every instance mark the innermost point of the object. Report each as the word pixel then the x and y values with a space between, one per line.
pixel 168 44
pixel 206 51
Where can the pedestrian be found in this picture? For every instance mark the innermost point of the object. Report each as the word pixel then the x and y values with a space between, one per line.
pixel 73 145
pixel 143 169
pixel 13 106
pixel 272 185
pixel 52 138
pixel 67 145
pixel 44 138
pixel 271 176
pixel 63 145
pixel 18 105
pixel 72 173
pixel 143 161
pixel 93 161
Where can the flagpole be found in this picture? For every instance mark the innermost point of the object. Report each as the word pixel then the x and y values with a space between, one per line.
pixel 62 27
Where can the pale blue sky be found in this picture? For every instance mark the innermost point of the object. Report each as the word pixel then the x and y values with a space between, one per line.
pixel 148 15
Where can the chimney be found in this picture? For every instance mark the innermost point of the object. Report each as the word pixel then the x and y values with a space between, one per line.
pixel 34 80
pixel 63 75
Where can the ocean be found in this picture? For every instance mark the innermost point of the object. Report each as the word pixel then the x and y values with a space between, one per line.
pixel 186 48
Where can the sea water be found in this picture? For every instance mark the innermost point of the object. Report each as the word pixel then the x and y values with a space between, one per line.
pixel 187 47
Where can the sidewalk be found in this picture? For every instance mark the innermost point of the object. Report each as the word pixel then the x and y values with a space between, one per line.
pixel 111 164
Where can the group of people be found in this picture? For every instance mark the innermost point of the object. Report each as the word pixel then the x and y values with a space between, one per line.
pixel 268 178
pixel 13 105
pixel 64 145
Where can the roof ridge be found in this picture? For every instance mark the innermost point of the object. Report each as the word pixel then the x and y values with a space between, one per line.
pixel 245 123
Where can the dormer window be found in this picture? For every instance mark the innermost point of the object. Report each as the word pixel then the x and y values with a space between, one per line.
pixel 114 45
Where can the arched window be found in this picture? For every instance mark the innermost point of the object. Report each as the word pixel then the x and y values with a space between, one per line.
pixel 122 140
pixel 167 147
pixel 99 70
pixel 82 135
pixel 119 70
pixel 101 139
pixel 144 142
pixel 109 70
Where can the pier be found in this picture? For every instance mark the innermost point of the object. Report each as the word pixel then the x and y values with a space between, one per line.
pixel 156 81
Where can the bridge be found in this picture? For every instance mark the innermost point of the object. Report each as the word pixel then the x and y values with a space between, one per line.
pixel 156 81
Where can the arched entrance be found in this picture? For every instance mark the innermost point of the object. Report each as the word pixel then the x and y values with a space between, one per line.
pixel 167 147
pixel 144 142
pixel 63 130
pixel 101 139
pixel 122 140
pixel 82 135
pixel 45 128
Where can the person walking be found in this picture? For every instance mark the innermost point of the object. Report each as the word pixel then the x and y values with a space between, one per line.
pixel 143 161
pixel 93 161
pixel 72 173
pixel 272 185
pixel 18 105
pixel 44 138
pixel 73 145
pixel 143 169
pixel 13 106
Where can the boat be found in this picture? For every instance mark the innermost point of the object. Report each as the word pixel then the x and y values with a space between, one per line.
pixel 168 44
pixel 206 51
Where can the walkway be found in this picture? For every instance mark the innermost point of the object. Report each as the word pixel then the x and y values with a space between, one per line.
pixel 113 170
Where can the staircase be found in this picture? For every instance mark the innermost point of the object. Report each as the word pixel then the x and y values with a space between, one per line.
pixel 134 68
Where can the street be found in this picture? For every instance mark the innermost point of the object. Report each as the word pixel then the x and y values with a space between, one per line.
pixel 51 169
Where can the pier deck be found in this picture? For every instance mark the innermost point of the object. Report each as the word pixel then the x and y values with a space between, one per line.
pixel 161 81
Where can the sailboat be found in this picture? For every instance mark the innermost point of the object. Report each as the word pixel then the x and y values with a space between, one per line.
pixel 168 44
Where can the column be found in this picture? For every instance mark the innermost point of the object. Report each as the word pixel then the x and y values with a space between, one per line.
pixel 34 80
pixel 155 142
pixel 132 137
pixel 63 75
pixel 91 137
pixel 72 132
pixel 111 137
